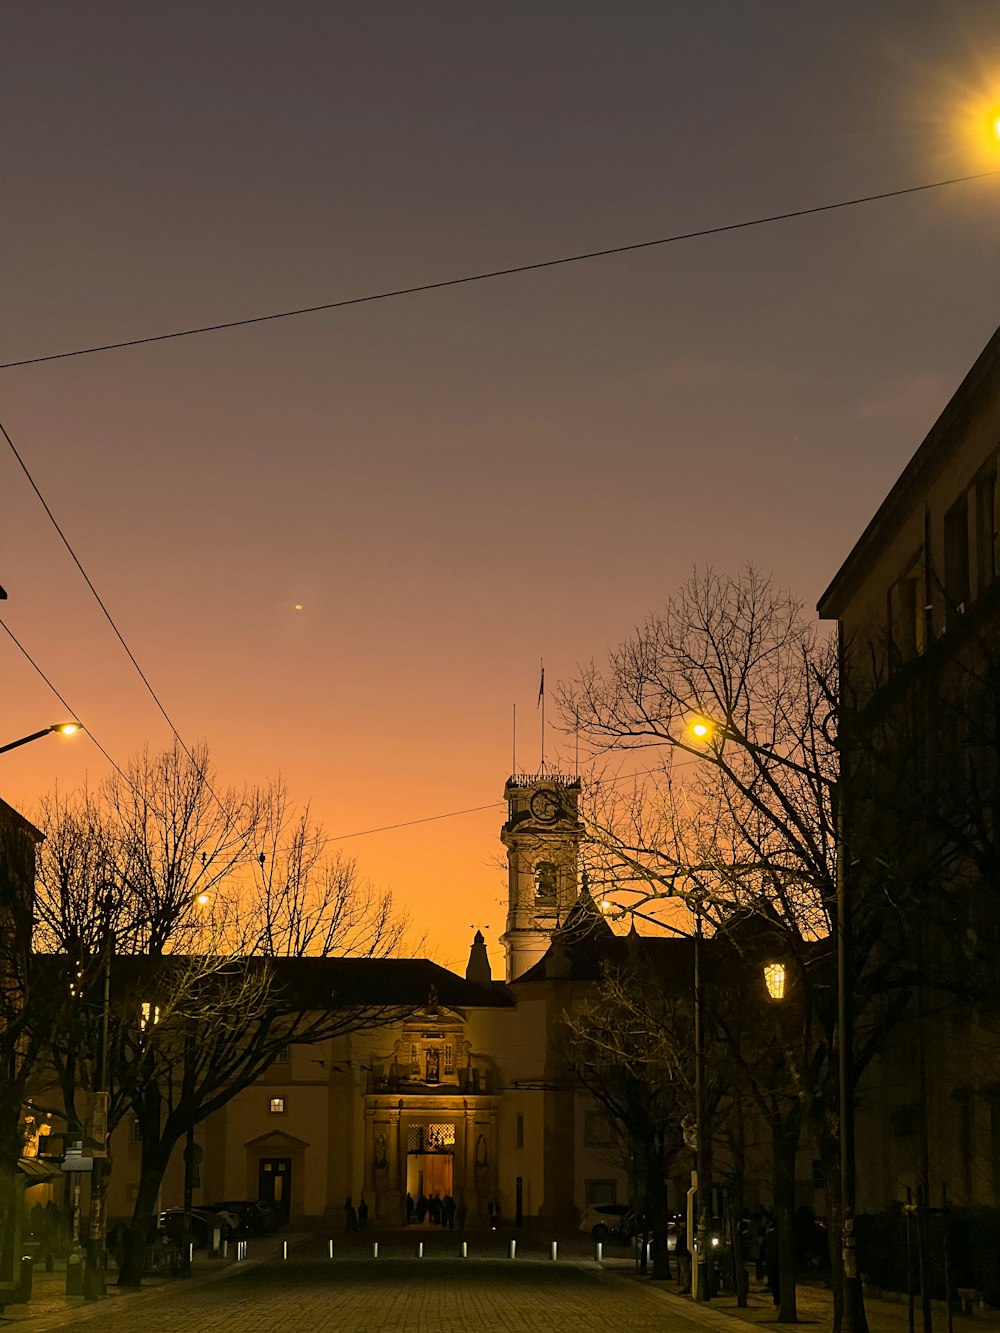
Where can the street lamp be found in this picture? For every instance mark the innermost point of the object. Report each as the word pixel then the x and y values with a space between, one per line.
pixel 63 729
pixel 774 980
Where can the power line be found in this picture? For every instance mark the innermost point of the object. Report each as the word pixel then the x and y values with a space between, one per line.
pixel 118 634
pixel 469 278
pixel 69 708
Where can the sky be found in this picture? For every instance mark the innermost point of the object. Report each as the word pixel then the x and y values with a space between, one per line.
pixel 457 484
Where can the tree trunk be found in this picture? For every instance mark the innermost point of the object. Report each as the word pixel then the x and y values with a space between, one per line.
pixel 154 1164
pixel 656 1209
pixel 785 1141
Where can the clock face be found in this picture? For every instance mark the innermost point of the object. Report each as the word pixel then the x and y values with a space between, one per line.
pixel 544 806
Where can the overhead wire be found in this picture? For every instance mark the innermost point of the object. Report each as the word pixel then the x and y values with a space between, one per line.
pixel 486 276
pixel 68 706
pixel 463 280
pixel 118 634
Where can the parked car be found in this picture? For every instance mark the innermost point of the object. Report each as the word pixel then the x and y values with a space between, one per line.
pixel 609 1221
pixel 201 1223
pixel 255 1217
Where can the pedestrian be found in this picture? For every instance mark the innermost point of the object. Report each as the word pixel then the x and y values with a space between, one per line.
pixel 362 1212
pixel 771 1270
pixel 350 1214
pixel 448 1212
pixel 434 1208
pixel 760 1232
pixel 409 1208
pixel 421 1207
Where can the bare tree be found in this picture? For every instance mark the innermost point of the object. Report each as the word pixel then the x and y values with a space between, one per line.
pixel 730 699
pixel 173 906
pixel 618 1045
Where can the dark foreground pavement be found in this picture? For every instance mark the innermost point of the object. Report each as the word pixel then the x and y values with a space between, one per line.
pixel 440 1293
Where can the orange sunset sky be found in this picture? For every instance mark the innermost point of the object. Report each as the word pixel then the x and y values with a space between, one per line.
pixel 454 484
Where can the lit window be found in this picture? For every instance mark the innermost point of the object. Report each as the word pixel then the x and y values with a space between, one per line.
pixel 149 1014
pixel 449 1059
pixel 276 1105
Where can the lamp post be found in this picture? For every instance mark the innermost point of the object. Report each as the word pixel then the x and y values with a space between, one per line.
pixel 61 728
pixel 702 1287
pixel 94 1278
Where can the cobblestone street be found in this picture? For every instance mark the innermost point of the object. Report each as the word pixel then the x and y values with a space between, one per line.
pixel 438 1294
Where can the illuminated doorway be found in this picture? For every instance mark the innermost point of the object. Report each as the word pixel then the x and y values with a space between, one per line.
pixel 430 1161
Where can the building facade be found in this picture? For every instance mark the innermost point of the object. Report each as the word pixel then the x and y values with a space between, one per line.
pixel 917 604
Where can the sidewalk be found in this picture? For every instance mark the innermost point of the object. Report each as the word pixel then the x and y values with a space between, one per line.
pixel 48 1292
pixel 815 1307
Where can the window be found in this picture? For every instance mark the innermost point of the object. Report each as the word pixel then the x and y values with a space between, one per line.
pixel 906 613
pixel 987 561
pixel 596 1130
pixel 600 1192
pixel 519 1131
pixel 282 1057
pixel 956 560
pixel 276 1105
pixel 449 1059
pixel 136 1134
pixel 149 1014
pixel 546 881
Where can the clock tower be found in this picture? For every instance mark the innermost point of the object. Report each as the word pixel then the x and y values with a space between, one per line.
pixel 542 836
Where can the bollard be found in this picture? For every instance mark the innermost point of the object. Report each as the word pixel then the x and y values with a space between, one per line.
pixel 24 1281
pixel 190 1254
pixel 375 1249
pixel 284 1249
pixel 465 1249
pixel 331 1249
pixel 599 1251
pixel 512 1252
pixel 225 1249
pixel 554 1250
pixel 216 1241
pixel 74 1275
pixel 420 1249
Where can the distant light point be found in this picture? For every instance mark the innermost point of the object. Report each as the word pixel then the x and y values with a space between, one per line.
pixel 298 606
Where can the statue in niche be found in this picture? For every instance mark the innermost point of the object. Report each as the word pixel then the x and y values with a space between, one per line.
pixel 482 1153
pixel 381 1152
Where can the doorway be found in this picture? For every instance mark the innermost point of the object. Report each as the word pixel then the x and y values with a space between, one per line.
pixel 274 1184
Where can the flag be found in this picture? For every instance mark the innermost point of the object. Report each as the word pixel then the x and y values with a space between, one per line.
pixel 541 688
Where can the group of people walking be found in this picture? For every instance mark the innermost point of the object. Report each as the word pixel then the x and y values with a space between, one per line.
pixel 439 1212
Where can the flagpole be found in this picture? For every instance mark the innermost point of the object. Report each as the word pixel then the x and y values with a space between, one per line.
pixel 541 700
pixel 513 745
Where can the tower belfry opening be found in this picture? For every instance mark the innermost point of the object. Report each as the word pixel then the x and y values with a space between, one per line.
pixel 542 836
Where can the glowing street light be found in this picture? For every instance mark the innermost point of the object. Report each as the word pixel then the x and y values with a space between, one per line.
pixel 62 728
pixel 774 980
